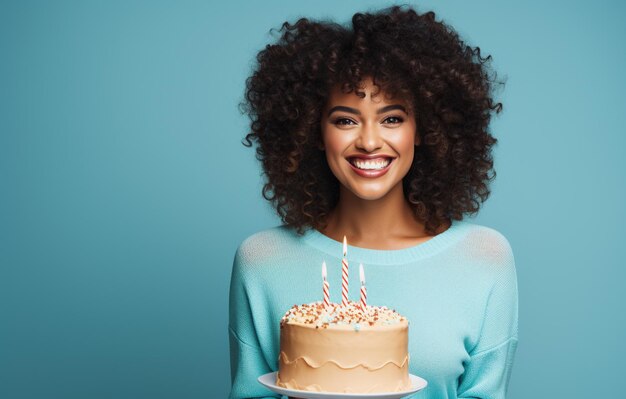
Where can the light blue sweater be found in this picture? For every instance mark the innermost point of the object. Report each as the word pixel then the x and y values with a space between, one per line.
pixel 458 290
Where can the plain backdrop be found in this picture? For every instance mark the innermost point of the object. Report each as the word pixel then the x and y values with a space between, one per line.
pixel 125 189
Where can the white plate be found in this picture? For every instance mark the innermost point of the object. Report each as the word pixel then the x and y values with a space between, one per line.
pixel 269 381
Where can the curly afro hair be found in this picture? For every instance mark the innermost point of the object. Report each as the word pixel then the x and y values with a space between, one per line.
pixel 409 56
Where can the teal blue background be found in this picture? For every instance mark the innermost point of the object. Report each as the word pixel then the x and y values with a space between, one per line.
pixel 126 190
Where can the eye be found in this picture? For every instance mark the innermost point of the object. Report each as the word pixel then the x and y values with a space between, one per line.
pixel 343 121
pixel 394 119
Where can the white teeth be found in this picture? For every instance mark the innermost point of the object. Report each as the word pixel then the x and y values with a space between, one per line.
pixel 371 165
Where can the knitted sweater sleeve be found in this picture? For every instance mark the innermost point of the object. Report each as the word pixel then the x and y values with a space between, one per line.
pixel 488 370
pixel 247 362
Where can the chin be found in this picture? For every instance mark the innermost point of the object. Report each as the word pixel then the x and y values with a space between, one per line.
pixel 370 195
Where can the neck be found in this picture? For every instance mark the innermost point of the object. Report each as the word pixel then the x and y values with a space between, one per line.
pixel 386 222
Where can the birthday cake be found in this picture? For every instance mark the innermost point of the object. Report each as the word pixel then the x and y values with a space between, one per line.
pixel 344 348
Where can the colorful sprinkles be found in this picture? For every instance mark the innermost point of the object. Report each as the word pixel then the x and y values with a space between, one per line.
pixel 317 314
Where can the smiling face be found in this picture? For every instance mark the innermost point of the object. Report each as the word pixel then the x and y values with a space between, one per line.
pixel 369 142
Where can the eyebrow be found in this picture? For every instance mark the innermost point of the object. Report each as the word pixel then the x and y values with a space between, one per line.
pixel 357 112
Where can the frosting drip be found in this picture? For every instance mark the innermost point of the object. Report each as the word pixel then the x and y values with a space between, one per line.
pixel 313 364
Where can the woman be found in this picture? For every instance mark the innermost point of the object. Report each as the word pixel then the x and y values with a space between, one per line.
pixel 378 132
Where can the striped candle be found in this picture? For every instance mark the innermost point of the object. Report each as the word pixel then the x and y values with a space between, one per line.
pixel 344 274
pixel 363 290
pixel 326 288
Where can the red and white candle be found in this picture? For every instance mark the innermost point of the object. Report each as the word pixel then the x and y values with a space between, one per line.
pixel 344 274
pixel 363 290
pixel 326 289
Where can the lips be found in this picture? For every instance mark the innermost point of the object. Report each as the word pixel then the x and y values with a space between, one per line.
pixel 369 156
pixel 370 166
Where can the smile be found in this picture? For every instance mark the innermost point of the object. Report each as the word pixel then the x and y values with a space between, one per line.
pixel 375 167
pixel 371 164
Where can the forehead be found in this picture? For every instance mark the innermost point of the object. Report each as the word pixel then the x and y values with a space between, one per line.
pixel 374 95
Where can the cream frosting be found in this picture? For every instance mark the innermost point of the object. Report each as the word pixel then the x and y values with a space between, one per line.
pixel 343 349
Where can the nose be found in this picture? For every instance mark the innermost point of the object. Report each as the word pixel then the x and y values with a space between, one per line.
pixel 369 138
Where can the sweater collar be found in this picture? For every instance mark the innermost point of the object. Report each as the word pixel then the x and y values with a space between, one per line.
pixel 434 245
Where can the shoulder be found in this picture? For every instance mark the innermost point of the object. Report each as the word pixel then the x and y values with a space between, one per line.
pixel 487 245
pixel 490 264
pixel 266 245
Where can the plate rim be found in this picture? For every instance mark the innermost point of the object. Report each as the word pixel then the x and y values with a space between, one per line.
pixel 423 383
